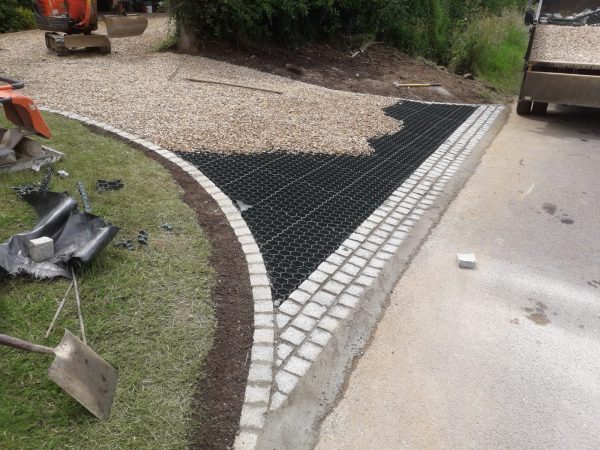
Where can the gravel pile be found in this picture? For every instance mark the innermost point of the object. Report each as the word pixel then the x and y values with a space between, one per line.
pixel 576 45
pixel 145 93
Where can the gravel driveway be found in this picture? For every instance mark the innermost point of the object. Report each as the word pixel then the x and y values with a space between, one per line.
pixel 144 92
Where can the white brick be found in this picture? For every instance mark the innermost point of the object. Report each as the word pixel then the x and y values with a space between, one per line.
pixel 297 366
pixel 375 240
pixel 318 277
pixel 329 323
pixel 286 382
pixel 263 306
pixel 41 249
pixel 284 350
pixel 324 298
pixel 260 373
pixel 340 312
pixel 334 287
pixel 364 281
pixel 259 280
pixel 304 322
pixel 350 269
pixel 262 353
pixel 309 286
pixel 314 310
pixel 357 261
pixel 371 272
pixel 356 290
pixel 293 335
pixel 250 248
pixel 299 297
pixel 257 394
pixel 277 400
pixel 261 292
pixel 336 259
pixel 327 267
pixel 282 320
pixel 253 416
pixel 363 253
pixel 263 320
pixel 320 337
pixel 466 260
pixel 369 246
pixel 343 278
pixel 389 248
pixel 290 307
pixel 264 336
pixel 349 300
pixel 309 351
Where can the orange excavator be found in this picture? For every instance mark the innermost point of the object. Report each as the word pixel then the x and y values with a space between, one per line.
pixel 17 150
pixel 70 25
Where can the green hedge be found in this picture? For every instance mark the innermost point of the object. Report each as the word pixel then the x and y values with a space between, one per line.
pixel 16 15
pixel 421 27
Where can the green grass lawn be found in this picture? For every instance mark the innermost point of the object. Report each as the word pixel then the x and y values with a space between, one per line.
pixel 493 48
pixel 147 312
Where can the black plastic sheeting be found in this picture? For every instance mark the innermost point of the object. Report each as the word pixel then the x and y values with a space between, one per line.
pixel 301 207
pixel 78 237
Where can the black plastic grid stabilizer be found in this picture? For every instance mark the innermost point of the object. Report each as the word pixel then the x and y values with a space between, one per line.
pixel 302 207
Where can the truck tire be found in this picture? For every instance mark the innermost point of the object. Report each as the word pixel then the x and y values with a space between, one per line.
pixel 539 108
pixel 524 107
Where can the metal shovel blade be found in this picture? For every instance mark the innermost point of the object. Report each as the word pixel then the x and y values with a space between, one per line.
pixel 84 375
pixel 125 26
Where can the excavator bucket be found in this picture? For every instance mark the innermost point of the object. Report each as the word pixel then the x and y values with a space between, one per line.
pixel 125 26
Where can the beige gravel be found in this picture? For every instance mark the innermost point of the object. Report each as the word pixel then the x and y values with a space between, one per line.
pixel 576 45
pixel 130 89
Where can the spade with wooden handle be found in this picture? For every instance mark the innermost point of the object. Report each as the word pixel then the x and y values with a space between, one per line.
pixel 78 370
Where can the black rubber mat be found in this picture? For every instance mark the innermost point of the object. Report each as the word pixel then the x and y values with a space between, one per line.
pixel 301 207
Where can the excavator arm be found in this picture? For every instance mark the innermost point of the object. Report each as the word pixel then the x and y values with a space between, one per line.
pixel 21 110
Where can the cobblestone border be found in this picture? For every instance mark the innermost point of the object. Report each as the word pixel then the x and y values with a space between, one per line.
pixel 291 381
pixel 260 375
pixel 308 319
pixel 329 318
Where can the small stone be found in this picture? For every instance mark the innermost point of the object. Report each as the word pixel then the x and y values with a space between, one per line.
pixel 41 249
pixel 466 260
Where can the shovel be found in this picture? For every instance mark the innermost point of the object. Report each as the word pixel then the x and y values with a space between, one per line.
pixel 78 370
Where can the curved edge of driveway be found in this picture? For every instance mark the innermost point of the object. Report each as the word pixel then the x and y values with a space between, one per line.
pixel 260 375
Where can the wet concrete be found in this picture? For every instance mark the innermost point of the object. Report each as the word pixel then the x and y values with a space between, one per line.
pixel 507 355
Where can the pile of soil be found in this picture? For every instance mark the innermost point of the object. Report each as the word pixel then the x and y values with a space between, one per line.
pixel 337 66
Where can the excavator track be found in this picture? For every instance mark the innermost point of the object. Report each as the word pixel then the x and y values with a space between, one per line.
pixel 63 45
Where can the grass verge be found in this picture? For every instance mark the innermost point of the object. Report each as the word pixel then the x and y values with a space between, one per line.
pixel 147 312
pixel 493 48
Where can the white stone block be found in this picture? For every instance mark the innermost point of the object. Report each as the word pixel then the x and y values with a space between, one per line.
pixel 41 249
pixel 466 260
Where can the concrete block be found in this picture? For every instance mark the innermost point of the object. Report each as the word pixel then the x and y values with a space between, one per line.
pixel 297 366
pixel 286 382
pixel 41 249
pixel 314 310
pixel 293 335
pixel 304 322
pixel 466 260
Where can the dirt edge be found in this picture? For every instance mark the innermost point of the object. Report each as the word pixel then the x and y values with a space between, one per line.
pixel 220 391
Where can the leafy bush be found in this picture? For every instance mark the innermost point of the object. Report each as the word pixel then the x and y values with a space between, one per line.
pixel 16 15
pixel 492 47
pixel 417 26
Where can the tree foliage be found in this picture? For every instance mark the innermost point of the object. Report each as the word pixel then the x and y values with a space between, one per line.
pixel 16 15
pixel 422 27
